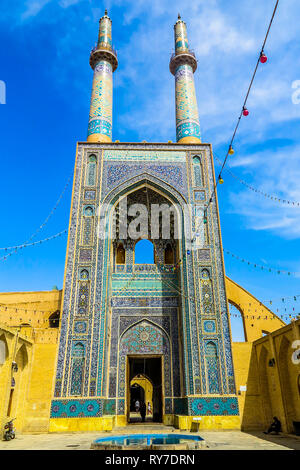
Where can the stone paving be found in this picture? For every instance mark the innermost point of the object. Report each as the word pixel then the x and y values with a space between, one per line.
pixel 215 440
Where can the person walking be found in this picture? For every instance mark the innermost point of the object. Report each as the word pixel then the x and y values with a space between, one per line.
pixel 137 406
pixel 143 411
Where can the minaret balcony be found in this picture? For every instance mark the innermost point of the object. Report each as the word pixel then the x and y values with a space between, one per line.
pixel 104 51
pixel 182 58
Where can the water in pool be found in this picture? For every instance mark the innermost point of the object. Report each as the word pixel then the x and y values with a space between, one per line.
pixel 147 439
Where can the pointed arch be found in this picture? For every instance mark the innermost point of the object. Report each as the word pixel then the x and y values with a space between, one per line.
pixel 145 338
pixel 264 386
pixel 212 367
pixel 144 252
pixel 22 357
pixel 91 170
pixel 145 179
pixel 169 254
pixel 77 368
pixel 54 319
pixel 120 254
pixel 197 170
pixel 284 359
pixel 3 350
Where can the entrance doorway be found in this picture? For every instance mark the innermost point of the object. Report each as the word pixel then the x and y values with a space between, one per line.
pixel 144 386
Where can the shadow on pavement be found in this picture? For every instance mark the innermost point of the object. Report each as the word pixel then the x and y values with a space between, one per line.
pixel 289 441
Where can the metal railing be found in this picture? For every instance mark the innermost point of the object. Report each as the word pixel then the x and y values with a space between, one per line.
pixel 104 46
pixel 187 51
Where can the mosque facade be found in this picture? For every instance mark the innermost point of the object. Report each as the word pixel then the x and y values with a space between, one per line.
pixel 126 329
pixel 167 320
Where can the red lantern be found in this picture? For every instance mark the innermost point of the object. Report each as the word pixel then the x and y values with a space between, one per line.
pixel 245 112
pixel 263 58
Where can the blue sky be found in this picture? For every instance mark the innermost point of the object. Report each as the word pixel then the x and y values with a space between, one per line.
pixel 45 65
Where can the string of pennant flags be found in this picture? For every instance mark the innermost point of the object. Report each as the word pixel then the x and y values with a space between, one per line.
pixel 236 315
pixel 25 245
pixel 285 316
pixel 258 191
pixel 260 266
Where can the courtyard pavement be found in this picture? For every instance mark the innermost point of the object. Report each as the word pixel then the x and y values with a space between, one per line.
pixel 215 440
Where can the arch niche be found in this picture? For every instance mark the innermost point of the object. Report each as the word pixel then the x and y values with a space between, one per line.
pixel 144 348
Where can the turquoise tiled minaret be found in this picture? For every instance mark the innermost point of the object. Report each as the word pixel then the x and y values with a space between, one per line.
pixel 183 65
pixel 103 60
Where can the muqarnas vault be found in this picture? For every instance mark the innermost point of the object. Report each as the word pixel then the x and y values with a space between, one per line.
pixel 165 321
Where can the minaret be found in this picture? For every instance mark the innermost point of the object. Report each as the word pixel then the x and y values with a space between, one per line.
pixel 103 60
pixel 183 65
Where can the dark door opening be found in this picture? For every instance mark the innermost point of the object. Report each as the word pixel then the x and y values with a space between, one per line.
pixel 145 385
pixel 137 396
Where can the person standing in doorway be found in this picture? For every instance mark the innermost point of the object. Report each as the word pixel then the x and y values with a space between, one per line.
pixel 137 406
pixel 143 411
pixel 149 408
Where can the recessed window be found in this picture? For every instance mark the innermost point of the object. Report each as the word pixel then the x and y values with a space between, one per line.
pixel 197 171
pixel 91 170
pixel 54 320
pixel 169 254
pixel 144 252
pixel 120 258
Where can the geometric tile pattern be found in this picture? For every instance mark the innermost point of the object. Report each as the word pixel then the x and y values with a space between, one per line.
pixel 76 408
pixel 100 120
pixel 193 312
pixel 208 406
pixel 187 120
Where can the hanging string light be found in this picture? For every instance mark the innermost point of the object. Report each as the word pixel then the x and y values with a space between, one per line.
pixel 244 110
pixel 263 57
pixel 231 150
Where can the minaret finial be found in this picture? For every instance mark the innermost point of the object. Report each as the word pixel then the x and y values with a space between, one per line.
pixel 105 12
pixel 179 17
pixel 103 60
pixel 183 64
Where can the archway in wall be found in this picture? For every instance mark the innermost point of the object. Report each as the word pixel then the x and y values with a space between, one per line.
pixel 54 319
pixel 145 387
pixel 142 188
pixel 3 350
pixel 264 387
pixel 237 324
pixel 137 397
pixel 145 350
pixel 17 383
pixel 141 389
pixel 258 319
pixel 144 252
pixel 284 359
pixel 150 228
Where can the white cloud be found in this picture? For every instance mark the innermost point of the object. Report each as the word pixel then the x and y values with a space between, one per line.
pixel 33 8
pixel 275 173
